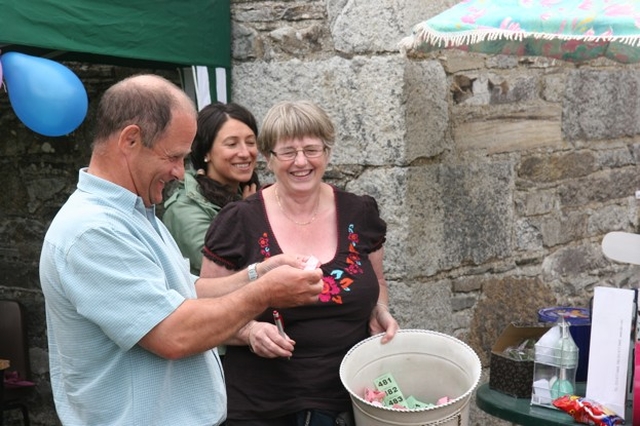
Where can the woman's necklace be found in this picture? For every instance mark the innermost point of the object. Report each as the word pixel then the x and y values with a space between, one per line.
pixel 315 212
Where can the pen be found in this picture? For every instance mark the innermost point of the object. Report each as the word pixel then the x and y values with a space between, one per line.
pixel 277 318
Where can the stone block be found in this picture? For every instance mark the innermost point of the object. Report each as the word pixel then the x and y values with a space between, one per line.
pixel 601 104
pixel 246 43
pixel 360 27
pixel 442 217
pixel 455 61
pixel 537 202
pixel 418 304
pixel 467 284
pixel 390 189
pixel 560 229
pixel 371 124
pixel 613 218
pixel 502 61
pixel 553 87
pixel 560 166
pixel 528 237
pixel 426 110
pixel 573 262
pixel 507 135
pixel 609 185
pixel 615 157
pixel 462 302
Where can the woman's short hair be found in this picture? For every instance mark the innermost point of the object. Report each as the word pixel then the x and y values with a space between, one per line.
pixel 295 119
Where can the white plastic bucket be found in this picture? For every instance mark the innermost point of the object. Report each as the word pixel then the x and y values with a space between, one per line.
pixel 425 364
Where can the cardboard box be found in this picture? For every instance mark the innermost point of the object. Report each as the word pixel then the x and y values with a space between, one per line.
pixel 510 376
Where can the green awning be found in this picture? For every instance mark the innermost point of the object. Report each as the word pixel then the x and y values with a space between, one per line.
pixel 158 33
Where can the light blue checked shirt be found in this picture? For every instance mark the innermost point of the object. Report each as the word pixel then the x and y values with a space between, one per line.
pixel 110 271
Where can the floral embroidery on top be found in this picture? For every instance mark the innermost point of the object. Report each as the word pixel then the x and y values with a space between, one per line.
pixel 339 280
pixel 265 250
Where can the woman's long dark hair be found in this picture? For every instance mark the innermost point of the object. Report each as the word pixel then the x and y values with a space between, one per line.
pixel 210 120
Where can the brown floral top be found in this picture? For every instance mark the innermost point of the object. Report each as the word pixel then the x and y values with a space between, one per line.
pixel 262 388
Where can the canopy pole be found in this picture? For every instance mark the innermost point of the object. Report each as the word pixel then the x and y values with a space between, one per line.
pixel 203 84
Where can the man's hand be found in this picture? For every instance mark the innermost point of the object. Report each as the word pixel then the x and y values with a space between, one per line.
pixel 286 286
pixel 297 261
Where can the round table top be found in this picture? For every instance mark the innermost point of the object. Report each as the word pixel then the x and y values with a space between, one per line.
pixel 520 410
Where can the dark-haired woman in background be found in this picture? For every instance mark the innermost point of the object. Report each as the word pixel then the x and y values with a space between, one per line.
pixel 223 159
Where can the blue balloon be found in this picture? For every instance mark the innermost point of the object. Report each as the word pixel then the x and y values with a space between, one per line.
pixel 45 95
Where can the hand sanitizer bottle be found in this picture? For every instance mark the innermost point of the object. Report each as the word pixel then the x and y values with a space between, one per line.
pixel 555 365
pixel 567 355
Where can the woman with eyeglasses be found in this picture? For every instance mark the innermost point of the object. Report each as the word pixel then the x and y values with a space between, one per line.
pixel 291 377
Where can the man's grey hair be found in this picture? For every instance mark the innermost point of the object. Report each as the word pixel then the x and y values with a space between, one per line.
pixel 147 101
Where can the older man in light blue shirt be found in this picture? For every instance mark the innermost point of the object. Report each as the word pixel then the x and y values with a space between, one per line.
pixel 111 272
pixel 130 342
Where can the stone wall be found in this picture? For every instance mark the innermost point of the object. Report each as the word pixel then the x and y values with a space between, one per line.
pixel 498 176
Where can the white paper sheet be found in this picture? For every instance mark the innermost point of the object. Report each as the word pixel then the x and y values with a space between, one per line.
pixel 610 347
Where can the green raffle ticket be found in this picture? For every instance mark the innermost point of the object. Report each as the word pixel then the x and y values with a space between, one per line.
pixel 393 395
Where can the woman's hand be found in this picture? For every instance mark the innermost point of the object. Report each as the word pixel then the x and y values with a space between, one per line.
pixel 249 190
pixel 265 341
pixel 381 320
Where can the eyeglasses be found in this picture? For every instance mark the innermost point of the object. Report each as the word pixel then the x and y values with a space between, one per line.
pixel 290 154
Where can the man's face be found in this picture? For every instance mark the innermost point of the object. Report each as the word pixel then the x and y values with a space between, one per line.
pixel 152 168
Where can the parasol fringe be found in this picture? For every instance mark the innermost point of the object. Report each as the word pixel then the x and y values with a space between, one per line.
pixel 423 35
